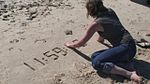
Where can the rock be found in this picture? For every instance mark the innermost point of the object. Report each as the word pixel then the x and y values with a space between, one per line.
pixel 68 32
pixel 10 48
pixel 29 18
pixel 5 6
pixel 34 15
pixel 33 10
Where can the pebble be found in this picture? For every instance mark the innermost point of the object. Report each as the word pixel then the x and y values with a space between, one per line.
pixel 33 10
pixel 12 20
pixel 5 16
pixel 31 17
pixel 5 19
pixel 148 34
pixel 20 7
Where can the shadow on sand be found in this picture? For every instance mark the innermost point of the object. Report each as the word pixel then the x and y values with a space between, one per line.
pixel 142 67
pixel 142 2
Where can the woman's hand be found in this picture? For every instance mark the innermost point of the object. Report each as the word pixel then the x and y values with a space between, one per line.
pixel 100 40
pixel 74 44
pixel 71 44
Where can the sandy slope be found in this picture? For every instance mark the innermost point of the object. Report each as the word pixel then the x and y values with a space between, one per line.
pixel 33 33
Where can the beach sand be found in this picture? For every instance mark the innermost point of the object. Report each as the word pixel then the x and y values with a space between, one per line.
pixel 32 36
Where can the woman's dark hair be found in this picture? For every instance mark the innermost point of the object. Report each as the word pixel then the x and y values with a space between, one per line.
pixel 94 7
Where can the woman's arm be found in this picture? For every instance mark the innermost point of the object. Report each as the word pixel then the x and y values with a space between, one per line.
pixel 94 27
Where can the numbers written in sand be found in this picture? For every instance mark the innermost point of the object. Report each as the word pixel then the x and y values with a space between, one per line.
pixel 54 54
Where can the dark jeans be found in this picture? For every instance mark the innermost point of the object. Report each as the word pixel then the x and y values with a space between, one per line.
pixel 104 60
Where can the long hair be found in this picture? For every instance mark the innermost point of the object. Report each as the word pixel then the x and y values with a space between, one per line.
pixel 94 7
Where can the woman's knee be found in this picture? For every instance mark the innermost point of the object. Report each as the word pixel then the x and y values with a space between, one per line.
pixel 105 67
pixel 108 67
pixel 96 64
pixel 97 53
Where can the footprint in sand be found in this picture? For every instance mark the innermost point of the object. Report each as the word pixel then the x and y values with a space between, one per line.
pixel 4 12
pixel 24 24
pixel 142 53
pixel 4 74
pixel 84 69
pixel 58 78
pixel 140 19
pixel 40 40
pixel 132 22
pixel 16 40
pixel 20 32
pixel 12 48
pixel 7 30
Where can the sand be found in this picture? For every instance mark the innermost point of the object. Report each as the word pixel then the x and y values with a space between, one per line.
pixel 32 34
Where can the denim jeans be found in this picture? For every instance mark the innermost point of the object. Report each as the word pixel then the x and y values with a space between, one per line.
pixel 104 60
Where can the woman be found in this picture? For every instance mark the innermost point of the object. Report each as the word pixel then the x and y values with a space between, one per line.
pixel 108 26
